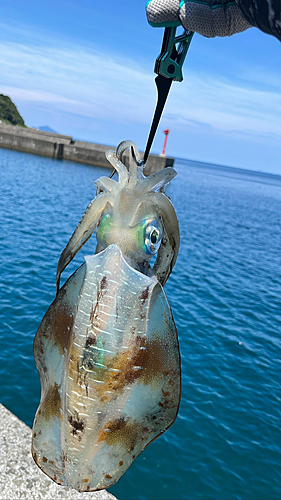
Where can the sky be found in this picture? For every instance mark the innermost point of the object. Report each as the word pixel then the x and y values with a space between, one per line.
pixel 85 69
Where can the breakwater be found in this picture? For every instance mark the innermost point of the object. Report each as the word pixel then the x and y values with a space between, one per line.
pixel 31 140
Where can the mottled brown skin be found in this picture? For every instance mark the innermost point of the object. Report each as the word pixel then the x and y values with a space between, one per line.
pixel 122 431
pixel 152 360
pixel 77 425
pixel 63 323
pixel 149 355
pixel 94 316
pixel 59 322
pixel 148 351
pixel 51 405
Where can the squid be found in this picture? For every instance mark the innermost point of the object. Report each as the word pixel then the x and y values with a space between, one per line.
pixel 107 349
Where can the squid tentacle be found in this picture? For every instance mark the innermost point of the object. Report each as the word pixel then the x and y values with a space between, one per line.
pixel 135 170
pixel 129 145
pixel 118 165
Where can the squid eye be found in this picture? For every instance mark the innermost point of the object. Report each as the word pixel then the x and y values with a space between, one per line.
pixel 152 237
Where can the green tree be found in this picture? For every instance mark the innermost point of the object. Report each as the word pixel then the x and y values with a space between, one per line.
pixel 9 113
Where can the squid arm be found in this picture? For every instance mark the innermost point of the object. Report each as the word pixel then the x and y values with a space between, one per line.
pixel 83 232
pixel 157 180
pixel 169 248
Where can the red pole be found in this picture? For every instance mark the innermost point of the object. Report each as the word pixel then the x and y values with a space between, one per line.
pixel 166 132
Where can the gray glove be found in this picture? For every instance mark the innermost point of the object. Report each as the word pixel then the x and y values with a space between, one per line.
pixel 209 18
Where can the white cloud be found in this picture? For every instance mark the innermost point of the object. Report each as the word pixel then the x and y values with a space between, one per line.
pixel 89 83
pixel 36 96
pixel 228 107
pixel 93 84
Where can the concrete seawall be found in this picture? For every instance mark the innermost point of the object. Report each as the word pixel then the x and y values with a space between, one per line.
pixel 31 140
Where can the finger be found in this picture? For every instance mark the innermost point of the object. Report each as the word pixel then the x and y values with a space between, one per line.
pixel 163 13
pixel 221 19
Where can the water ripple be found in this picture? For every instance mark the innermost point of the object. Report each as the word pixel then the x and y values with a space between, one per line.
pixel 225 296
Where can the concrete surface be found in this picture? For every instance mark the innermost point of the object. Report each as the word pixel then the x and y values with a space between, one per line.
pixel 20 478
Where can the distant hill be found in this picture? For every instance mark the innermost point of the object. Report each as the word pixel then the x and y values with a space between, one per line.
pixel 45 128
pixel 9 113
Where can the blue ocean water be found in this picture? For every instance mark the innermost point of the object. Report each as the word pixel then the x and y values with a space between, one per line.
pixel 225 295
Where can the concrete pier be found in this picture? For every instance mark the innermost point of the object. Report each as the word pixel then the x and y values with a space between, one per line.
pixel 31 140
pixel 20 477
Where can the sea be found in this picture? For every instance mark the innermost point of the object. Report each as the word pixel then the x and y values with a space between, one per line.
pixel 225 296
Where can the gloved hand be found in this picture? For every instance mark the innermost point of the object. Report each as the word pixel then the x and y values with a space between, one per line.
pixel 209 18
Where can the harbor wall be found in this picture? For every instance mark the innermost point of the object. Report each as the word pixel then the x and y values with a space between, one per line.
pixel 31 140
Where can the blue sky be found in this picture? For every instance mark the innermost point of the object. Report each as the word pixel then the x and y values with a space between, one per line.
pixel 86 69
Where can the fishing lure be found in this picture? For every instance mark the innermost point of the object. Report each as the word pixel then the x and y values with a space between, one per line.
pixel 107 349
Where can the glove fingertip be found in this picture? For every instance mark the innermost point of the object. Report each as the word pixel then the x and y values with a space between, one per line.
pixel 161 13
